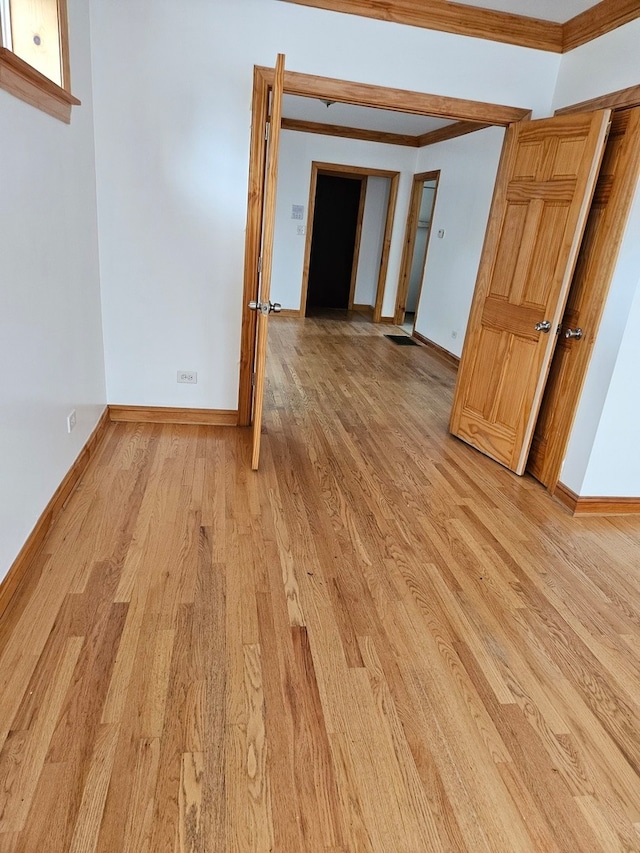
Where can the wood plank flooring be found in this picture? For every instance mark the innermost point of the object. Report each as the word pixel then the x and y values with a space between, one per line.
pixel 382 641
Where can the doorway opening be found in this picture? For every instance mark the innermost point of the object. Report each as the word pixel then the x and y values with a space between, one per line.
pixel 335 242
pixel 416 246
pixel 463 111
pixel 332 277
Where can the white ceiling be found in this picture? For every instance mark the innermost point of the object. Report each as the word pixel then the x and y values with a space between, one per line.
pixel 367 118
pixel 548 10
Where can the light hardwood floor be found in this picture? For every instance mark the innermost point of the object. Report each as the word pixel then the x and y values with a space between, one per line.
pixel 382 641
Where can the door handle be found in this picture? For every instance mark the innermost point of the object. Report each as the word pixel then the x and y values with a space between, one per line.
pixel 265 307
pixel 543 326
pixel 574 333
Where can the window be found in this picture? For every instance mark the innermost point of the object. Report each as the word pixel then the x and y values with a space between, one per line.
pixel 34 54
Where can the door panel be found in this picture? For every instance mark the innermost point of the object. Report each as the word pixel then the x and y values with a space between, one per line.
pixel 544 187
pixel 268 226
pixel 612 199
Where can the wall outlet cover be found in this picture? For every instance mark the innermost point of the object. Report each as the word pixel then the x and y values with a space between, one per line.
pixel 189 377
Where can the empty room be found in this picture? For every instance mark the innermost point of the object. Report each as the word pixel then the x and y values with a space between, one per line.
pixel 292 564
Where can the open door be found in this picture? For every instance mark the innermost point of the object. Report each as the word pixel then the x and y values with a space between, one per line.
pixel 545 183
pixel 264 306
pixel 615 190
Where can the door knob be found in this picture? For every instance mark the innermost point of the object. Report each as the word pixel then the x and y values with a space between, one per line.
pixel 265 307
pixel 543 326
pixel 574 333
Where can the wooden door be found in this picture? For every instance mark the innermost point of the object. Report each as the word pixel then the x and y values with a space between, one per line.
pixel 263 305
pixel 612 200
pixel 545 183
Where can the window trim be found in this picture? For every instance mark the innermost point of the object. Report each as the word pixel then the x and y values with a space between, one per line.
pixel 23 81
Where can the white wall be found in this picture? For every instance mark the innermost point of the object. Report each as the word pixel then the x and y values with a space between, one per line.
pixel 173 95
pixel 602 457
pixel 298 152
pixel 50 325
pixel 468 167
pixel 614 466
pixel 372 241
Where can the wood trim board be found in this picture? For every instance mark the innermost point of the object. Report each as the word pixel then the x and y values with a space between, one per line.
pixel 286 312
pixel 363 308
pixel 386 247
pixel 435 349
pixel 63 29
pixel 452 131
pixel 22 81
pixel 620 100
pixel 173 415
pixel 21 565
pixel 350 132
pixel 453 17
pixel 306 264
pixel 396 100
pixel 600 19
pixel 358 241
pixel 588 505
pixel 489 24
pixel 442 134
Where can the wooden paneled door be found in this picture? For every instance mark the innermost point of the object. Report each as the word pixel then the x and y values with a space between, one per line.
pixel 543 191
pixel 610 207
pixel 263 305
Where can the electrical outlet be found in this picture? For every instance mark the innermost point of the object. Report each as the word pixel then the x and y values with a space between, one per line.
pixel 71 420
pixel 190 377
pixel 301 231
pixel 441 233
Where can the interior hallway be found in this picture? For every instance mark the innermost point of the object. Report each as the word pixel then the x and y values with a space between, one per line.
pixel 382 641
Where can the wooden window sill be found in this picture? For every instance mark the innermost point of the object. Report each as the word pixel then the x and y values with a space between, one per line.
pixel 18 78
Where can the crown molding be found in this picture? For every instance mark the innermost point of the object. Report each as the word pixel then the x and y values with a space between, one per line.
pixel 453 18
pixel 350 132
pixel 489 24
pixel 451 131
pixel 606 16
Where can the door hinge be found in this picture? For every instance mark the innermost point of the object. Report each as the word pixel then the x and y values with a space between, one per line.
pixel 253 380
pixel 267 128
pixel 260 264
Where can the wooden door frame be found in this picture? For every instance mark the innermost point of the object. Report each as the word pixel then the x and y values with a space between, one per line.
pixel 343 91
pixel 362 173
pixel 615 224
pixel 410 235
